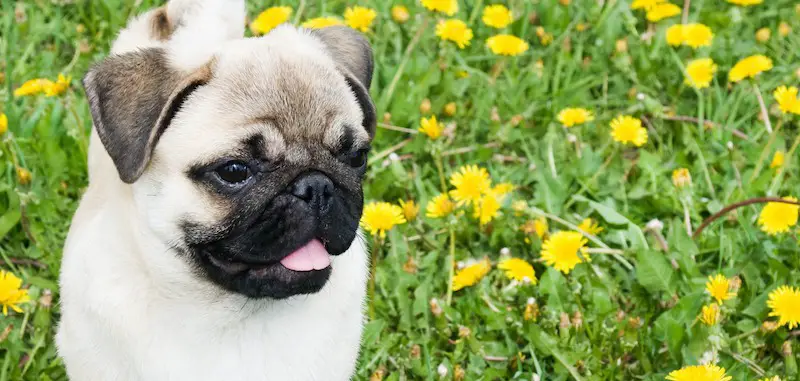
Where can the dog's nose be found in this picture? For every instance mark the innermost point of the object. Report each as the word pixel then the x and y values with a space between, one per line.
pixel 314 188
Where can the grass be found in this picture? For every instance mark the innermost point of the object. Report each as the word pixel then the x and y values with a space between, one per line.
pixel 631 313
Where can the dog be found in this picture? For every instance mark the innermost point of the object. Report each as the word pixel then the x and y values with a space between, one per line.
pixel 218 238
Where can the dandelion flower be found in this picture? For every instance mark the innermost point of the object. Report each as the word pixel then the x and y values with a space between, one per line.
pixel 681 178
pixel 573 116
pixel 777 159
pixel 269 19
pixel 59 87
pixel 431 127
pixel 471 183
pixel 719 288
pixel 662 11
pixel 518 269
pixel 448 7
pixel 507 45
pixel 472 274
pixel 645 4
pixel 454 30
pixel 787 99
pixel 561 251
pixel 33 87
pixel 450 109
pixel 400 14
pixel 544 37
pixel 697 35
pixel 710 314
pixel 3 123
pixel 24 176
pixel 487 208
pixel 11 295
pixel 749 67
pixel 359 18
pixel 675 35
pixel 784 303
pixel 322 22
pixel 590 226
pixel 784 29
pixel 763 35
pixel 540 227
pixel 706 372
pixel 497 16
pixel 745 3
pixel 627 129
pixel 440 206
pixel 519 206
pixel 700 72
pixel 410 209
pixel 778 217
pixel 380 217
pixel 503 189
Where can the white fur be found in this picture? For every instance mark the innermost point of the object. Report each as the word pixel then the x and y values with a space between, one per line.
pixel 132 309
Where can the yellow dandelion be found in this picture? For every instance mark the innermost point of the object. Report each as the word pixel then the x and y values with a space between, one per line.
pixel 11 295
pixel 359 18
pixel 719 288
pixel 471 183
pixel 440 206
pixel 518 269
pixel 410 209
pixel 3 123
pixel 645 4
pixel 448 7
pixel 269 19
pixel 573 116
pixel 431 127
pixel 778 217
pixel 487 208
pixel 59 87
pixel 561 251
pixel 33 87
pixel 745 3
pixel 681 178
pixel 503 189
pixel 322 22
pixel 787 99
pixel 675 35
pixel 627 129
pixel 471 275
pixel 662 11
pixel 450 109
pixel 710 314
pixel 697 35
pixel 507 45
pixel 540 227
pixel 784 29
pixel 763 35
pixel 784 303
pixel 519 207
pixel 706 372
pixel 454 30
pixel 700 72
pixel 776 378
pixel 749 67
pixel 497 16
pixel 777 159
pixel 380 217
pixel 590 226
pixel 24 176
pixel 544 37
pixel 400 14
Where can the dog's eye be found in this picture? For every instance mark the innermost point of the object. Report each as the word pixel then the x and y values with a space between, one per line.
pixel 357 159
pixel 234 172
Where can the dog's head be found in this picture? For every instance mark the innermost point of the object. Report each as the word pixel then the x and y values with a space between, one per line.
pixel 250 167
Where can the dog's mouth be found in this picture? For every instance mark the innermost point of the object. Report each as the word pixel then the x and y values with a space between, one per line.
pixel 310 257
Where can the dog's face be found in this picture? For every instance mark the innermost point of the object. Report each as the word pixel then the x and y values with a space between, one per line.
pixel 251 167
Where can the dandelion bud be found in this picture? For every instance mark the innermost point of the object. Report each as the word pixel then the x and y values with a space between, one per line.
pixel 763 34
pixel 436 308
pixel 416 352
pixel 450 109
pixel 495 117
pixel 425 106
pixel 505 251
pixel 729 145
pixel 378 375
pixel 464 331
pixel 577 319
pixel 681 178
pixel 564 322
pixel 458 373
pixel 655 225
pixel 46 300
pixel 400 14
pixel 410 266
pixel 622 45
pixel 735 284
pixel 786 348
pixel 23 176
pixel 387 117
pixel 769 326
pixel 784 29
pixel 442 371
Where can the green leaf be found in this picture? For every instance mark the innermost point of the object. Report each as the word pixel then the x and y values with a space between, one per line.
pixel 609 215
pixel 12 215
pixel 554 285
pixel 654 272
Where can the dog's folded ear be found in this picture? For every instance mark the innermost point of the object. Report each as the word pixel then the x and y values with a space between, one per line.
pixel 352 53
pixel 132 98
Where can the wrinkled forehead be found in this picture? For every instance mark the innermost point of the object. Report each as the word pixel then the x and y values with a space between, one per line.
pixel 292 87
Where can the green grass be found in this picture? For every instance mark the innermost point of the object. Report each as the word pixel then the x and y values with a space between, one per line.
pixel 638 309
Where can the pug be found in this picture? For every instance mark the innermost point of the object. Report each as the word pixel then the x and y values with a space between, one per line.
pixel 218 238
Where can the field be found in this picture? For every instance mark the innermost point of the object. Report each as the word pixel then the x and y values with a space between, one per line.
pixel 500 277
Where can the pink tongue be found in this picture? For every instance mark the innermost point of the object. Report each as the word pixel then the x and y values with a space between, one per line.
pixel 312 256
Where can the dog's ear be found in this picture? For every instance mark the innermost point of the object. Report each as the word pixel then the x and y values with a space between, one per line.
pixel 352 53
pixel 132 98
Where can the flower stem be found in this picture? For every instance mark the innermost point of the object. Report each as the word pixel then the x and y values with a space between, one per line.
pixel 764 112
pixel 451 264
pixel 437 156
pixel 763 156
pixel 779 176
pixel 373 266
